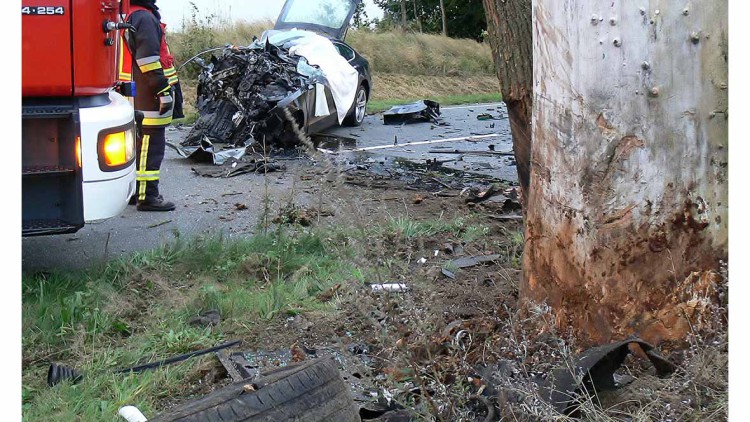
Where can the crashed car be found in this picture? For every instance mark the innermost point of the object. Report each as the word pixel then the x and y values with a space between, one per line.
pixel 301 73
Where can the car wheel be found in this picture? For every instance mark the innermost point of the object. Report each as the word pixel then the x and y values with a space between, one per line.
pixel 312 392
pixel 359 108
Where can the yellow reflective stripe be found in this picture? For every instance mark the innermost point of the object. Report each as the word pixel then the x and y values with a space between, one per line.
pixel 149 67
pixel 170 71
pixel 164 90
pixel 147 178
pixel 157 121
pixel 148 173
pixel 142 166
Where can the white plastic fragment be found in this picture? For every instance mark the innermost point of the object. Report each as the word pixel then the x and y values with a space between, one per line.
pixel 390 287
pixel 422 260
pixel 132 414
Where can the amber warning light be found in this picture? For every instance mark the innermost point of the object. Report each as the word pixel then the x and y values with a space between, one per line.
pixel 117 149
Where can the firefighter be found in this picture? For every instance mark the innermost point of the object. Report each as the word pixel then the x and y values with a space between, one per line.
pixel 151 67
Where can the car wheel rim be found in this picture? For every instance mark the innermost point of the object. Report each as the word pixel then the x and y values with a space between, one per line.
pixel 361 105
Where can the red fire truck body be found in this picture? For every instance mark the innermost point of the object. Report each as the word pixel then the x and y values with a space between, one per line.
pixel 78 130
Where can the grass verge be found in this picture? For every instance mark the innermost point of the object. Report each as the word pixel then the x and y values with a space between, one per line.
pixel 139 309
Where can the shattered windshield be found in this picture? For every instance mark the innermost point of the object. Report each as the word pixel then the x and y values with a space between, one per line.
pixel 328 13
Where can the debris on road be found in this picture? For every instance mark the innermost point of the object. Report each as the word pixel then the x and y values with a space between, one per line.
pixel 233 167
pixel 420 111
pixel 490 153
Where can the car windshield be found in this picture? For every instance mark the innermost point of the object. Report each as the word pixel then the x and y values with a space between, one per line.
pixel 328 13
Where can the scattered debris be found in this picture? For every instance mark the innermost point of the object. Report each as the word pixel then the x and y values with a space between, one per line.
pixel 390 288
pixel 234 167
pixel 420 111
pixel 594 371
pixel 304 216
pixel 329 294
pixel 511 217
pixel 207 318
pixel 59 373
pixel 477 197
pixel 471 261
pixel 490 153
pixel 153 226
pixel 448 273
pixel 131 414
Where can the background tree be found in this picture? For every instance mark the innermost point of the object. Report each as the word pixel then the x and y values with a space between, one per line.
pixel 464 18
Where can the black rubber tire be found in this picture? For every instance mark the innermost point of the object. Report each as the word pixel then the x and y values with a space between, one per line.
pixel 309 391
pixel 351 119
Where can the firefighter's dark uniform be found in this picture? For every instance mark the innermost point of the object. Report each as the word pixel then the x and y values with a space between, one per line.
pixel 153 98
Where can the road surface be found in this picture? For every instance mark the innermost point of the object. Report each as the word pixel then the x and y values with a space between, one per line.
pixel 207 206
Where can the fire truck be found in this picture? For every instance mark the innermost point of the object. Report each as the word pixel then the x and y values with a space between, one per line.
pixel 78 124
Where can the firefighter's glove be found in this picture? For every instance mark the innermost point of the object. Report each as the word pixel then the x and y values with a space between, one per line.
pixel 166 102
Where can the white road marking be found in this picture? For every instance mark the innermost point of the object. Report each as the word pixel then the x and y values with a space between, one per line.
pixel 436 141
pixel 471 106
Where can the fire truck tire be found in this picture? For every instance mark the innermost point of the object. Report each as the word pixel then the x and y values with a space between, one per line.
pixel 309 391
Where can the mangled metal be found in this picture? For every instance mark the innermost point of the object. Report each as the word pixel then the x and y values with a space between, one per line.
pixel 420 111
pixel 242 94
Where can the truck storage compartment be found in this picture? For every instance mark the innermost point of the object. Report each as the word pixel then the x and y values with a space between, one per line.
pixel 52 177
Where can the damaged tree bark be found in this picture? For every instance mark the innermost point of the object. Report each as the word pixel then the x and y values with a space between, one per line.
pixel 627 210
pixel 509 29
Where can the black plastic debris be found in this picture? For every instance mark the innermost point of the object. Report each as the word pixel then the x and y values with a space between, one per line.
pixel 420 111
pixel 58 373
pixel 233 167
pixel 595 371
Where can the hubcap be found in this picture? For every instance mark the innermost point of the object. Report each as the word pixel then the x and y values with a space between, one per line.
pixel 361 105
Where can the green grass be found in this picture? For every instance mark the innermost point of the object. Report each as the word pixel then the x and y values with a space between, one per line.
pixel 377 106
pixel 136 309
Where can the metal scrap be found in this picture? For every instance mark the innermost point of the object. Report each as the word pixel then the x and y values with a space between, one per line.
pixel 233 167
pixel 420 111
pixel 242 94
pixel 471 261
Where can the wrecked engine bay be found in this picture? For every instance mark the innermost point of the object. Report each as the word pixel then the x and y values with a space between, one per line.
pixel 242 95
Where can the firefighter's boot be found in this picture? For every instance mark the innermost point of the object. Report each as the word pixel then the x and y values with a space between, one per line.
pixel 155 204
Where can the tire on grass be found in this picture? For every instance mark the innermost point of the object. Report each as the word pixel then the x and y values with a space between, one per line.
pixel 309 391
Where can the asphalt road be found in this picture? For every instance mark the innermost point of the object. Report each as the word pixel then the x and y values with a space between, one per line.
pixel 206 206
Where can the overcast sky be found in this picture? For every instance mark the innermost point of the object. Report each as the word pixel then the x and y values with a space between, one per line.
pixel 173 11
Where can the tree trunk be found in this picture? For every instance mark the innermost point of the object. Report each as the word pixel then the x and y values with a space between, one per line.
pixel 626 222
pixel 416 16
pixel 509 29
pixel 445 20
pixel 404 21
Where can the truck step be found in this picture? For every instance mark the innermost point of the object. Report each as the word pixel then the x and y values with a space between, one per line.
pixel 46 227
pixel 46 111
pixel 48 171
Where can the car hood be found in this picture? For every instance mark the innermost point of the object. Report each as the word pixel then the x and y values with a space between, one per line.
pixel 327 17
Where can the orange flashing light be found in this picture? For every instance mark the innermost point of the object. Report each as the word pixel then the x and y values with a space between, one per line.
pixel 78 151
pixel 115 149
